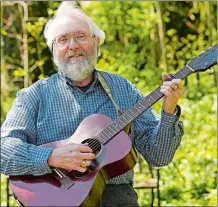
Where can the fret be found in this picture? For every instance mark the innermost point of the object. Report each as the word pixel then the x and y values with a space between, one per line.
pixel 121 120
pixel 135 110
pixel 127 117
pixel 182 74
pixel 130 115
pixel 103 136
pixel 107 132
pixel 118 123
pixel 157 93
pixel 140 106
pixel 113 129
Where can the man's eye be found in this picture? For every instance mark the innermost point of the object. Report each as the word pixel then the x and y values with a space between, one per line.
pixel 81 36
pixel 63 40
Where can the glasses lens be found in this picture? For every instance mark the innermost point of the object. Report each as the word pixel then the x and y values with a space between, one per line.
pixel 63 40
pixel 79 37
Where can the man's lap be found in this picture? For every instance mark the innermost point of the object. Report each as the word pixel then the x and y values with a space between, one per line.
pixel 119 195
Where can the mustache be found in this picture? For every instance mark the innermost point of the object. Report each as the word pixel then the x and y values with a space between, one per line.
pixel 72 53
pixel 75 53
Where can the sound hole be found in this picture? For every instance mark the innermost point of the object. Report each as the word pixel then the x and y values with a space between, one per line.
pixel 94 144
pixel 99 150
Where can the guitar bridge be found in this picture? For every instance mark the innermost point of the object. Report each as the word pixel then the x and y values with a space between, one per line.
pixel 65 181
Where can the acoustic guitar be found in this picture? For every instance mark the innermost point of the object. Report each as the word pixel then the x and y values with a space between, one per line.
pixel 115 154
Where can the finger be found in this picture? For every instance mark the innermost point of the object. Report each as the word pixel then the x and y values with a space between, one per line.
pixel 80 169
pixel 178 89
pixel 84 164
pixel 175 95
pixel 172 90
pixel 79 161
pixel 77 166
pixel 82 148
pixel 178 82
pixel 88 162
pixel 165 92
pixel 165 76
pixel 173 84
pixel 168 88
pixel 169 83
pixel 83 156
pixel 169 94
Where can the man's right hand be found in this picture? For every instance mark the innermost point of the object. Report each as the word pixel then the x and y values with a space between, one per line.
pixel 71 156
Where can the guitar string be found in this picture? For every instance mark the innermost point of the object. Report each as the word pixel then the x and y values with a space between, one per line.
pixel 94 144
pixel 131 111
pixel 139 103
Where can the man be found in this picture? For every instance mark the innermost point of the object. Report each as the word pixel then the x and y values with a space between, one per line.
pixel 52 109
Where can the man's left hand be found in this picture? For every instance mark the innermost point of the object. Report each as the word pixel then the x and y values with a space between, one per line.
pixel 172 90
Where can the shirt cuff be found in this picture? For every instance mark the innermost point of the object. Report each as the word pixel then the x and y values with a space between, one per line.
pixel 41 158
pixel 170 119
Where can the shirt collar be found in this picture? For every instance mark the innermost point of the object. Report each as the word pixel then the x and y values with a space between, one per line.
pixel 70 83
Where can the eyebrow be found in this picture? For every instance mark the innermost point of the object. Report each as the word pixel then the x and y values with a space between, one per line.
pixel 69 33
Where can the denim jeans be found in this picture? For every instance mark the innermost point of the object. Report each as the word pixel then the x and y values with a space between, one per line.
pixel 119 195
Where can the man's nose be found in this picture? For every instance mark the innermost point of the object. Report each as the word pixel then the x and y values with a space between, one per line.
pixel 73 44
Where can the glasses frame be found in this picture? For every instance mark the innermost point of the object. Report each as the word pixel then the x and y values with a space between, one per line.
pixel 72 36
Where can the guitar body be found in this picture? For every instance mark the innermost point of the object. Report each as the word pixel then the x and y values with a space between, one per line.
pixel 116 157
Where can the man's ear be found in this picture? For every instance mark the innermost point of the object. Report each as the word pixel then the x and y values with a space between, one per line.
pixel 98 41
pixel 98 46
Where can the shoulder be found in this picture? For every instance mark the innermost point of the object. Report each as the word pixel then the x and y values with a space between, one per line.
pixel 121 87
pixel 118 81
pixel 115 79
pixel 36 90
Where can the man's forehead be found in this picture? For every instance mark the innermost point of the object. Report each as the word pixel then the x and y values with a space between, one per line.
pixel 69 24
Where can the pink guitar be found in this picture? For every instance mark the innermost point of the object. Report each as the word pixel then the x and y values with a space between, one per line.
pixel 113 148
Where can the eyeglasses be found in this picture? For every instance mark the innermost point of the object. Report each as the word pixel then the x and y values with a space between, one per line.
pixel 63 41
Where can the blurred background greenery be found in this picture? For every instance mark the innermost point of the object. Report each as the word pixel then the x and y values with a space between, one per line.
pixel 143 39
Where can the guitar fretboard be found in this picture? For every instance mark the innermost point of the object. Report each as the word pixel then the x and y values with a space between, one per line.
pixel 130 115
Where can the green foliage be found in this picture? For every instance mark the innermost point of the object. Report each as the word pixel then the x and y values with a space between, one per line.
pixel 12 201
pixel 143 39
pixel 193 170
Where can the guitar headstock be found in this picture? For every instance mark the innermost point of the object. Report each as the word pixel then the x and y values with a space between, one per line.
pixel 205 60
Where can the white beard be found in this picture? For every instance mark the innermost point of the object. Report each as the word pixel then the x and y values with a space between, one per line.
pixel 78 70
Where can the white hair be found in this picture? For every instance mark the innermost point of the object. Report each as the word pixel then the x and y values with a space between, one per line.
pixel 71 9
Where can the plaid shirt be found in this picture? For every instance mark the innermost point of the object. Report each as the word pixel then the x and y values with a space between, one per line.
pixel 52 109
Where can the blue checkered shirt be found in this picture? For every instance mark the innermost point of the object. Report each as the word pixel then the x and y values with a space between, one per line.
pixel 52 109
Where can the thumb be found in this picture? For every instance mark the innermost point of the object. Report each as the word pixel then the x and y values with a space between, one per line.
pixel 165 76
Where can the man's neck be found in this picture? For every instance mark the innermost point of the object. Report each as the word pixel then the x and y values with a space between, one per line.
pixel 85 82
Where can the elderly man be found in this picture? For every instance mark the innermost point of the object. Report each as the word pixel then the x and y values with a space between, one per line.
pixel 52 109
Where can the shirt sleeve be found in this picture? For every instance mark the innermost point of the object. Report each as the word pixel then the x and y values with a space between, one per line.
pixel 19 154
pixel 156 138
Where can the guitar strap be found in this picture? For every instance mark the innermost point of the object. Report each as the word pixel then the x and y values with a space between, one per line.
pixel 103 82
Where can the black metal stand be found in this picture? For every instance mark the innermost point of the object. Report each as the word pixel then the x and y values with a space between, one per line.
pixel 152 187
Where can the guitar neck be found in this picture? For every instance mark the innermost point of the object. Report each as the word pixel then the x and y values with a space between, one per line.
pixel 130 115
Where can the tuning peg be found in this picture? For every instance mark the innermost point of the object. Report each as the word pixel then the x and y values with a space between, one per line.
pixel 214 59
